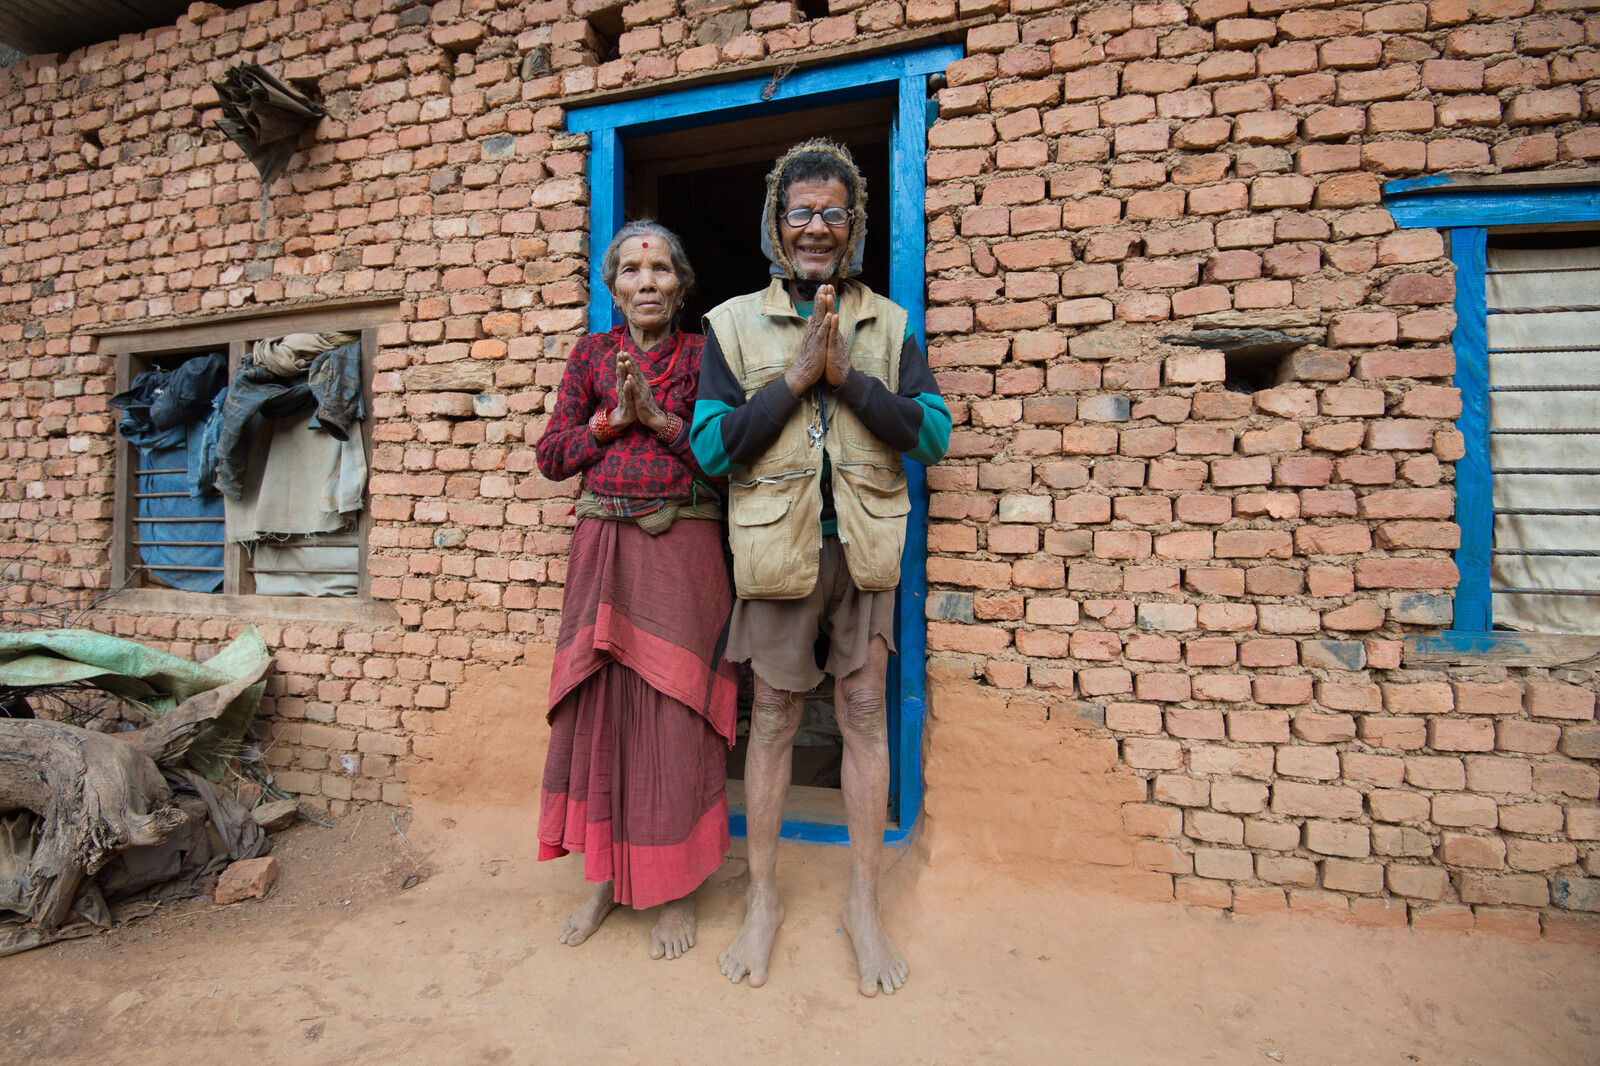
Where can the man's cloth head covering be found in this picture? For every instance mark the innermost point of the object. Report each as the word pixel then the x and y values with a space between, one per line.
pixel 772 238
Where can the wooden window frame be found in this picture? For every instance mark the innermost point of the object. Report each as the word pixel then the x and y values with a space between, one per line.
pixel 1466 208
pixel 135 349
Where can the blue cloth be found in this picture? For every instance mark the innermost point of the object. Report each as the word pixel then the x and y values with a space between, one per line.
pixel 203 475
pixel 176 449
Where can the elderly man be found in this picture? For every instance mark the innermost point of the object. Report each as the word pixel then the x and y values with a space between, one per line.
pixel 810 392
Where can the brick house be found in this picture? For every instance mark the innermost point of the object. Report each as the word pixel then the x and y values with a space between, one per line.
pixel 1213 624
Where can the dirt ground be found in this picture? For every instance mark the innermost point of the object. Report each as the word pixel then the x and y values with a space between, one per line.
pixel 343 963
pixel 432 938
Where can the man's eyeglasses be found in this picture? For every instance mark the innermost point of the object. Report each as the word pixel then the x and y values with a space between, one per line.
pixel 800 217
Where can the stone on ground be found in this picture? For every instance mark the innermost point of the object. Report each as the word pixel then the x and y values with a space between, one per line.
pixel 247 879
pixel 277 815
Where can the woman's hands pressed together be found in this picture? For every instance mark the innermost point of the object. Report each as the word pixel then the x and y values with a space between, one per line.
pixel 636 401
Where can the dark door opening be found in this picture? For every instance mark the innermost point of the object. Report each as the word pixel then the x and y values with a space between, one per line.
pixel 708 185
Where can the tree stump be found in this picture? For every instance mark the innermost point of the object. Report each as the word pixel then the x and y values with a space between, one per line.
pixel 96 793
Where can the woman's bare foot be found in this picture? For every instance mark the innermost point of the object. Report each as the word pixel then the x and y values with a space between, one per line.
pixel 880 965
pixel 750 950
pixel 587 918
pixel 674 931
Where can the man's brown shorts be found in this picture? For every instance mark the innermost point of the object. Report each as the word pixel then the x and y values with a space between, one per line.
pixel 778 636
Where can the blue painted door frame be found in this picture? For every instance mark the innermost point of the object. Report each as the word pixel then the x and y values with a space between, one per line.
pixel 904 76
pixel 1467 214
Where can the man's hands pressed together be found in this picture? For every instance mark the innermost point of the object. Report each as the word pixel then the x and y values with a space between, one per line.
pixel 822 350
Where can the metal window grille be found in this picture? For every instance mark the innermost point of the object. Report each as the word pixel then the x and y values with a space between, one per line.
pixel 141 490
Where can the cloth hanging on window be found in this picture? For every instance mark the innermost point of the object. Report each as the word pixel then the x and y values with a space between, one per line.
pixel 1548 287
pixel 289 567
pixel 332 386
pixel 178 526
pixel 174 528
pixel 292 354
pixel 300 480
pixel 302 496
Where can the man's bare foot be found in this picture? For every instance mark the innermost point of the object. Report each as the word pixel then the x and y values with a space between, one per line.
pixel 587 918
pixel 750 950
pixel 674 931
pixel 880 965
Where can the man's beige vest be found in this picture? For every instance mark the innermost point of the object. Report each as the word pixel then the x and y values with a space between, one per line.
pixel 775 505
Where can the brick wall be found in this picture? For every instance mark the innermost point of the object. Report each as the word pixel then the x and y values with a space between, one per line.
pixel 1224 579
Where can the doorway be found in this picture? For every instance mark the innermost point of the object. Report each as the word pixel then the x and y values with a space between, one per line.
pixel 708 185
pixel 696 159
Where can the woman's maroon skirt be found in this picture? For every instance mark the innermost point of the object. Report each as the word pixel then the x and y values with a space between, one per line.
pixel 642 710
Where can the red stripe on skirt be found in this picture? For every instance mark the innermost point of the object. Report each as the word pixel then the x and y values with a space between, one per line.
pixel 636 775
pixel 655 604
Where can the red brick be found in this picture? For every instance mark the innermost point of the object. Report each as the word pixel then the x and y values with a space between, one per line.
pixel 982 640
pixel 1522 152
pixel 1366 469
pixel 1334 437
pixel 1348 190
pixel 1398 733
pixel 1496 773
pixel 1316 801
pixel 1363 328
pixel 1333 540
pixel 1502 698
pixel 1396 434
pixel 1448 734
pixel 1281 190
pixel 1149 647
pixel 1445 535
pixel 1258 727
pixel 1194 723
pixel 1327 581
pixel 1567 778
pixel 1408 503
pixel 247 879
pixel 1427 697
pixel 1543 107
pixel 1253 544
pixel 1334 123
pixel 1413 363
pixel 1227 617
pixel 1225 688
pixel 1236 472
pixel 1558 700
pixel 1282 690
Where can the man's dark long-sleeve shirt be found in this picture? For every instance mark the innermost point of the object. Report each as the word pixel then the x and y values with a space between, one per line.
pixel 730 431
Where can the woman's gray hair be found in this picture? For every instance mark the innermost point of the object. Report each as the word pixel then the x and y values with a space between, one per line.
pixel 649 227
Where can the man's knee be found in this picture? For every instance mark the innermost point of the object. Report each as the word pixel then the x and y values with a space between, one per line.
pixel 774 715
pixel 861 707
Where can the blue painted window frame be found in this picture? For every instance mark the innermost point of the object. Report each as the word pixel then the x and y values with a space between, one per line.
pixel 905 77
pixel 1467 214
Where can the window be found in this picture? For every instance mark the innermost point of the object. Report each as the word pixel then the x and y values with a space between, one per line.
pixel 843 96
pixel 1544 433
pixel 190 423
pixel 1527 256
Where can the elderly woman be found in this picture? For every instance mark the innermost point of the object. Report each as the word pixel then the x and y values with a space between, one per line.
pixel 642 706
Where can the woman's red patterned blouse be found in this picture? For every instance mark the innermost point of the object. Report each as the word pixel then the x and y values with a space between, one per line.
pixel 635 464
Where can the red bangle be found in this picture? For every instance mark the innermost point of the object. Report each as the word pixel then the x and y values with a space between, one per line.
pixel 600 426
pixel 670 433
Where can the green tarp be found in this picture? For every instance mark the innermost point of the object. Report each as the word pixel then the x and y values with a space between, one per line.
pixel 153 680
